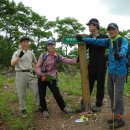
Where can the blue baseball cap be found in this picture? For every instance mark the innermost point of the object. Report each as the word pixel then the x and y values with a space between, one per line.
pixel 50 41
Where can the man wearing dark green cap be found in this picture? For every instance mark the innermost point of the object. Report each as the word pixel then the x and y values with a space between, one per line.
pixel 96 66
pixel 23 60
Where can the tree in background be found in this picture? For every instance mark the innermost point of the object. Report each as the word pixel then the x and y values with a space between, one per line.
pixel 67 26
pixel 17 20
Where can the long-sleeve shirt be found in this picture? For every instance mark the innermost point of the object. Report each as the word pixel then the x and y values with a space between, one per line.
pixel 49 64
pixel 114 66
pixel 97 53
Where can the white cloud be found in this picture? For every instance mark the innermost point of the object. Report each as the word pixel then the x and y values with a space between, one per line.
pixel 118 7
pixel 83 10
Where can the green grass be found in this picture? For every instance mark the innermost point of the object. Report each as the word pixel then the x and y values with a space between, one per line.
pixel 2 80
pixel 69 83
pixel 72 84
pixel 127 87
pixel 9 107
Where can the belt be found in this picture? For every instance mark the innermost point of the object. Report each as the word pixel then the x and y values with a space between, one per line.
pixel 23 71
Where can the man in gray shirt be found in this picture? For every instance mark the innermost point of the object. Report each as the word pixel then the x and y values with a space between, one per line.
pixel 24 62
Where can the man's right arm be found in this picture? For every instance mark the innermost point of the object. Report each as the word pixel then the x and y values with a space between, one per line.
pixel 16 58
pixel 15 61
pixel 95 41
pixel 99 42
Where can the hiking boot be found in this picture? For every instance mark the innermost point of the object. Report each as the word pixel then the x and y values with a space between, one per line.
pixel 24 113
pixel 45 114
pixel 110 121
pixel 96 109
pixel 67 110
pixel 118 123
pixel 114 118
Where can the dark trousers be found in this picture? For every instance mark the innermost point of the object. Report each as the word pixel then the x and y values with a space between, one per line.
pixel 97 74
pixel 42 86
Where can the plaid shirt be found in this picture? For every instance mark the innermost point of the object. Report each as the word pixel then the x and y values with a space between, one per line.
pixel 49 64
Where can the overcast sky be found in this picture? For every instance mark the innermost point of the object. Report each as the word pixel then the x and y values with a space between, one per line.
pixel 106 11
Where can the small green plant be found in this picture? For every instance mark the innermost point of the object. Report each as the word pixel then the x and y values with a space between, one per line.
pixel 49 78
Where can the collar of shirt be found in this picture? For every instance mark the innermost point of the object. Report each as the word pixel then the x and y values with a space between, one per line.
pixel 96 36
pixel 23 50
pixel 53 54
pixel 114 39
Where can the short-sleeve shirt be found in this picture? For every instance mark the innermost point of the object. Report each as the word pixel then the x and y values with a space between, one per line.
pixel 25 61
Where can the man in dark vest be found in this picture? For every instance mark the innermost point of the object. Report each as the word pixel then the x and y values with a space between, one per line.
pixel 96 66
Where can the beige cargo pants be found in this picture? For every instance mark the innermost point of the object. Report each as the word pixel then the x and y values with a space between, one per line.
pixel 24 80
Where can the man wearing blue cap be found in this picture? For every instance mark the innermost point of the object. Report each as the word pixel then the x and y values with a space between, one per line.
pixel 117 70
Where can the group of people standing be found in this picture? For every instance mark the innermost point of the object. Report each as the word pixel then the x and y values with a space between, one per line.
pixel 26 67
pixel 117 68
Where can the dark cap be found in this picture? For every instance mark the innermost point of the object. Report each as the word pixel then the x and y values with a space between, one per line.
pixel 113 26
pixel 24 38
pixel 50 41
pixel 93 21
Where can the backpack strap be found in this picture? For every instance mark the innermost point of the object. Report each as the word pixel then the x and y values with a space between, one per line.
pixel 44 56
pixel 57 57
pixel 119 43
pixel 56 60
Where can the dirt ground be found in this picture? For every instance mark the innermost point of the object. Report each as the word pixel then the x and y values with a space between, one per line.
pixel 59 121
pixel 2 126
